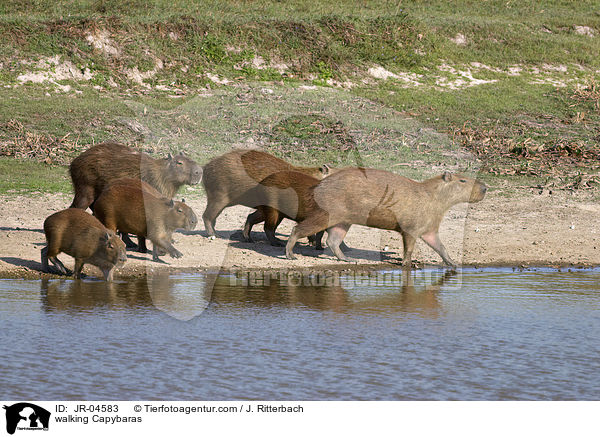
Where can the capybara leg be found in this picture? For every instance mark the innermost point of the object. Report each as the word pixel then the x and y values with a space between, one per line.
pixel 44 256
pixel 408 242
pixel 344 247
pixel 59 265
pixel 164 243
pixel 84 197
pixel 272 219
pixel 310 226
pixel 433 240
pixel 335 235
pixel 78 268
pixel 212 211
pixel 127 240
pixel 142 248
pixel 253 219
pixel 291 243
pixel 317 240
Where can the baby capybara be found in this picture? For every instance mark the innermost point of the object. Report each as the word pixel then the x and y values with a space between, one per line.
pixel 285 194
pixel 130 206
pixel 228 178
pixel 385 200
pixel 79 234
pixel 97 167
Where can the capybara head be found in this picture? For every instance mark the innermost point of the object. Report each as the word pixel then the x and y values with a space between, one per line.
pixel 181 216
pixel 183 169
pixel 114 248
pixel 457 188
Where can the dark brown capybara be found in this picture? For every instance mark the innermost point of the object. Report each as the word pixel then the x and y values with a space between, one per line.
pixel 97 167
pixel 79 234
pixel 130 206
pixel 385 200
pixel 285 194
pixel 228 177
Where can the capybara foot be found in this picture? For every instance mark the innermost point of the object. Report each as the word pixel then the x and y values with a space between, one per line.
pixel 176 254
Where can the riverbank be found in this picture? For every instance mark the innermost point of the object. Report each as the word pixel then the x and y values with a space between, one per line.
pixel 525 229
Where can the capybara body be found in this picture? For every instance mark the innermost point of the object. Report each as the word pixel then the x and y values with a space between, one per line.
pixel 93 170
pixel 228 178
pixel 79 234
pixel 285 194
pixel 131 206
pixel 385 200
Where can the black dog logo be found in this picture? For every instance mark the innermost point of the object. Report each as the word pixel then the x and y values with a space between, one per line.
pixel 25 415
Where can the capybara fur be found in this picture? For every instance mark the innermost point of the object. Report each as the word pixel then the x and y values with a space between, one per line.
pixel 285 194
pixel 229 177
pixel 129 205
pixel 79 234
pixel 97 167
pixel 385 200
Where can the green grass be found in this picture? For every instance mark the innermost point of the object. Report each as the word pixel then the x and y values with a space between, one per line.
pixel 516 128
pixel 22 177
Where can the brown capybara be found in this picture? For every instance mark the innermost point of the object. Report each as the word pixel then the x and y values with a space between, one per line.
pixel 79 234
pixel 97 167
pixel 129 205
pixel 285 194
pixel 385 200
pixel 228 178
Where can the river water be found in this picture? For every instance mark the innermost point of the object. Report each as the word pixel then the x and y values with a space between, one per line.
pixel 492 334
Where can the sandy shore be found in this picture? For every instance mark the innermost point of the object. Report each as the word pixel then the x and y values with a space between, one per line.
pixel 526 229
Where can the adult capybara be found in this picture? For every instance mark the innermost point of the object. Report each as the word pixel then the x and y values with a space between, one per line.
pixel 285 194
pixel 97 167
pixel 385 200
pixel 228 178
pixel 79 234
pixel 129 205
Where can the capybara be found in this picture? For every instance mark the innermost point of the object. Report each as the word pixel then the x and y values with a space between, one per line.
pixel 130 206
pixel 97 167
pixel 385 200
pixel 285 194
pixel 79 234
pixel 228 177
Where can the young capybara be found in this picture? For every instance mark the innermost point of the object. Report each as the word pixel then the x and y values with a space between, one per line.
pixel 228 178
pixel 385 200
pixel 79 234
pixel 97 167
pixel 129 205
pixel 285 194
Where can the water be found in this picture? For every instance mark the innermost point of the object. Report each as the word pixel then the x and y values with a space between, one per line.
pixel 482 335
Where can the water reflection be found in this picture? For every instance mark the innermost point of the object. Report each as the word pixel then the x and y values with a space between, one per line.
pixel 181 296
pixel 405 293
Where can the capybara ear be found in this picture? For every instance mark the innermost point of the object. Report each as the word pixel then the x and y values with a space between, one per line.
pixel 170 157
pixel 325 169
pixel 171 204
pixel 447 176
pixel 182 200
pixel 106 237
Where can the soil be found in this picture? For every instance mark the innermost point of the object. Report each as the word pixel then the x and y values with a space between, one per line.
pixel 524 229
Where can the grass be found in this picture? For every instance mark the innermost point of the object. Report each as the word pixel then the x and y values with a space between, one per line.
pixel 22 177
pixel 269 51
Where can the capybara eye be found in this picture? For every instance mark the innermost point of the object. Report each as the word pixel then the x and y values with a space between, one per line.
pixel 463 180
pixel 179 162
pixel 179 210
